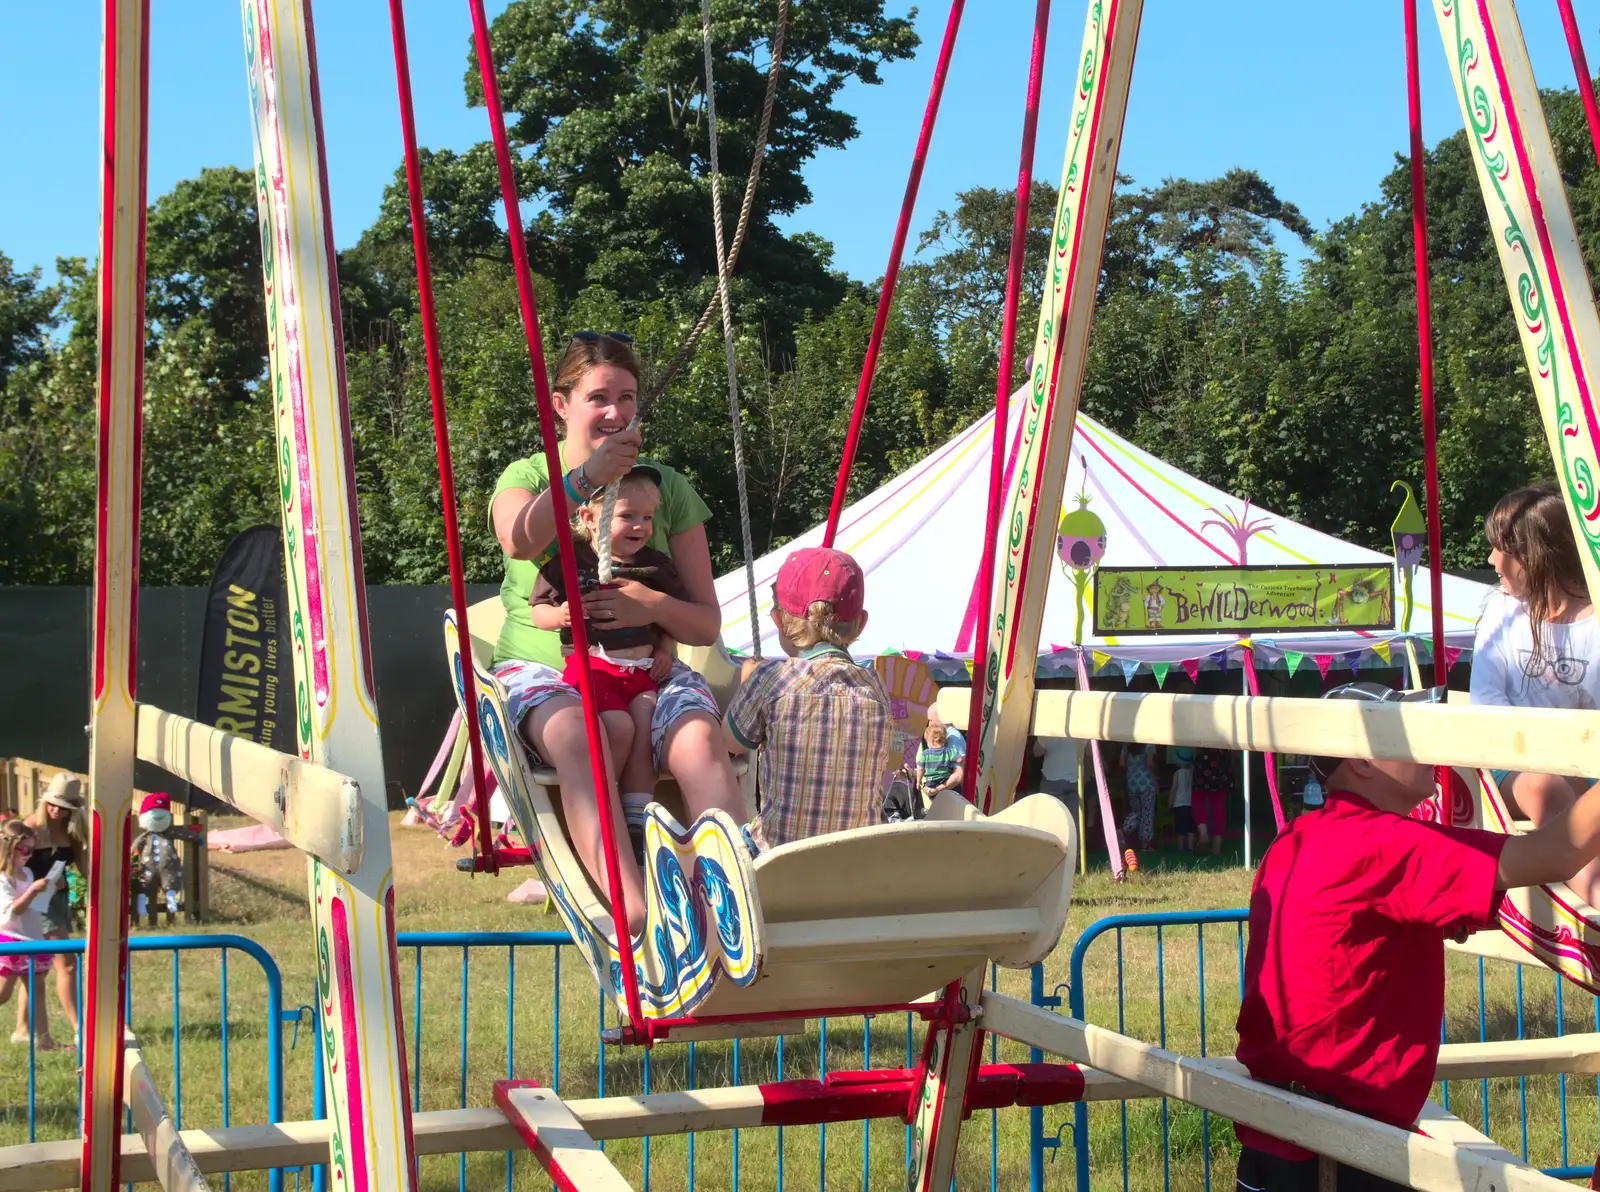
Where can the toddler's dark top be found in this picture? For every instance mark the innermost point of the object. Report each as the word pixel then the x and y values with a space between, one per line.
pixel 652 568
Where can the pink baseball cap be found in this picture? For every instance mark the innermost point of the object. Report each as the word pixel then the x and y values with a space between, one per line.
pixel 818 573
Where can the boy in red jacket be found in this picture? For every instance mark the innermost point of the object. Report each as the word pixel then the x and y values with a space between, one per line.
pixel 1344 977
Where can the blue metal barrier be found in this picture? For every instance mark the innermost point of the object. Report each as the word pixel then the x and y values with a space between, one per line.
pixel 1225 983
pixel 173 944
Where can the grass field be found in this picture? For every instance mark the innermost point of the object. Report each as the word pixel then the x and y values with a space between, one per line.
pixel 534 1013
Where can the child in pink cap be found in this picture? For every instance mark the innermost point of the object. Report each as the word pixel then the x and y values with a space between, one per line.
pixel 821 722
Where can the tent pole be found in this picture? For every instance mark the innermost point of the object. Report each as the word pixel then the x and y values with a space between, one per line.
pixel 1245 676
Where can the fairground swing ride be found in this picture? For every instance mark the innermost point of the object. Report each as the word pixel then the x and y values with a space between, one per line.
pixel 828 925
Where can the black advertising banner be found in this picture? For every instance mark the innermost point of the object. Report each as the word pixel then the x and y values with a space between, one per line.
pixel 246 673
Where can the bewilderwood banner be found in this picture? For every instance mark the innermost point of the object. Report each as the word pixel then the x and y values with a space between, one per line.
pixel 1130 601
pixel 246 676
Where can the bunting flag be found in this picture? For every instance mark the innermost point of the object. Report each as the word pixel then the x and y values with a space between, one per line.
pixel 1191 667
pixel 1100 658
pixel 1292 660
pixel 1381 649
pixel 1451 653
pixel 1323 661
pixel 1160 669
pixel 1353 659
pixel 1130 666
pixel 914 655
pixel 1219 659
pixel 968 665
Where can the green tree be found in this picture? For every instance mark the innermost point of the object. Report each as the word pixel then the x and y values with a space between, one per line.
pixel 606 97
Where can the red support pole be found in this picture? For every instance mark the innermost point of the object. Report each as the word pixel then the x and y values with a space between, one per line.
pixel 558 497
pixel 890 275
pixel 441 424
pixel 1430 448
pixel 1002 388
pixel 1580 67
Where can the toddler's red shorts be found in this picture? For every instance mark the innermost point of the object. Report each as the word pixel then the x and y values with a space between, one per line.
pixel 614 687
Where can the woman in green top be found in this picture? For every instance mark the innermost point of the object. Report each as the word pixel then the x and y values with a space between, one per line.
pixel 596 393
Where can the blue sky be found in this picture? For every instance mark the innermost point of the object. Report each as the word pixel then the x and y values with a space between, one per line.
pixel 1316 105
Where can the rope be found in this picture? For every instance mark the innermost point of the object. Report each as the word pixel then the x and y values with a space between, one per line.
pixel 891 274
pixel 724 267
pixel 441 425
pixel 687 348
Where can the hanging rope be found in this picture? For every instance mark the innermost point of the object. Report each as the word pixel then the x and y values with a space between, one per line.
pixel 1430 451
pixel 563 515
pixel 724 268
pixel 892 273
pixel 1002 400
pixel 441 425
pixel 745 208
pixel 1580 67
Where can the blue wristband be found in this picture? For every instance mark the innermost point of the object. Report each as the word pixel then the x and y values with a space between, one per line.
pixel 572 493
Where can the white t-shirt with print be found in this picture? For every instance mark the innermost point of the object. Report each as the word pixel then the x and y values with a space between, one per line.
pixel 1503 671
pixel 28 923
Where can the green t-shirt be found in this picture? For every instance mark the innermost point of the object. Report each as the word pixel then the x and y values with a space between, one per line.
pixel 681 509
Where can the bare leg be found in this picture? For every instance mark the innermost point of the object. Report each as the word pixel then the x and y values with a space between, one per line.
pixel 1541 797
pixel 693 752
pixel 639 771
pixel 555 729
pixel 67 987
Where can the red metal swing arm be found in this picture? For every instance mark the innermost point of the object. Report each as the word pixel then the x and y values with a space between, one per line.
pixel 485 860
pixel 891 274
pixel 558 498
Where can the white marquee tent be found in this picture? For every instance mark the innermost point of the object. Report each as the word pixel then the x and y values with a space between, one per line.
pixel 920 535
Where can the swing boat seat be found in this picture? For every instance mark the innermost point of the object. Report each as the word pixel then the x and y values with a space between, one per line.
pixel 876 917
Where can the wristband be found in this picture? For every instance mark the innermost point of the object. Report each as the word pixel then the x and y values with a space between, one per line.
pixel 566 483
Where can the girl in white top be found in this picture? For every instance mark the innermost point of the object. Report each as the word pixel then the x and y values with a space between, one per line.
pixel 22 901
pixel 1538 644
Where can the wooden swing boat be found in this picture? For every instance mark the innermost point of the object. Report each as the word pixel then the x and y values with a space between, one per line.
pixel 876 917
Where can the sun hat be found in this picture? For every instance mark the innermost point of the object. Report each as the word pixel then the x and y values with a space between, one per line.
pixel 815 573
pixel 64 790
pixel 1373 693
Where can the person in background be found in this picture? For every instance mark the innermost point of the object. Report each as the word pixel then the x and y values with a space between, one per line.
pixel 1538 643
pixel 60 834
pixel 1182 796
pixel 1139 762
pixel 954 737
pixel 1058 768
pixel 22 922
pixel 1213 783
pixel 940 765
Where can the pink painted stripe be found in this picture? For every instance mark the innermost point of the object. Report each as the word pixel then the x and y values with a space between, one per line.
pixel 1055 357
pixel 289 361
pixel 1525 168
pixel 355 1098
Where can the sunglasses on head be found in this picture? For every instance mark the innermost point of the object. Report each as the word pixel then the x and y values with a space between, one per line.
pixel 590 337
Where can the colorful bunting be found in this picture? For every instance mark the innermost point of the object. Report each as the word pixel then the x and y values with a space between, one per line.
pixel 1323 661
pixel 1100 658
pixel 1381 649
pixel 1191 667
pixel 1451 653
pixel 1130 666
pixel 1160 669
pixel 1292 660
pixel 968 665
pixel 914 655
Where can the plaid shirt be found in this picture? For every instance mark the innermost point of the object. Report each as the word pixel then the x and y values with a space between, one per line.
pixel 825 733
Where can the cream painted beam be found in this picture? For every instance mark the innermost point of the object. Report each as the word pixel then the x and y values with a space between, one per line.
pixel 1545 741
pixel 174 1167
pixel 1411 1159
pixel 41 1166
pixel 1438 1122
pixel 312 807
pixel 558 1140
